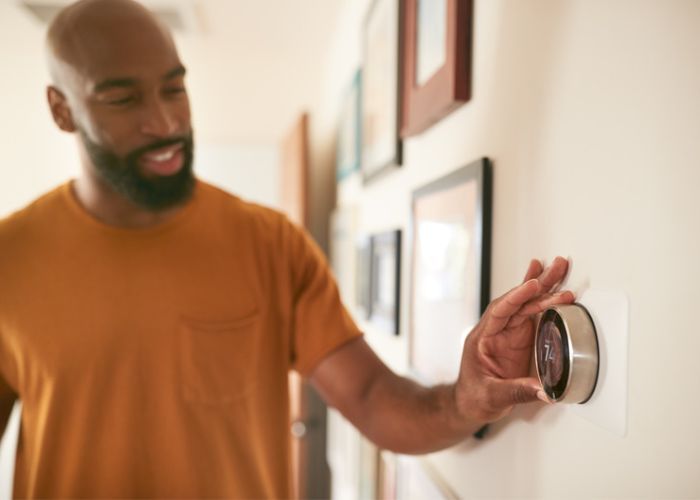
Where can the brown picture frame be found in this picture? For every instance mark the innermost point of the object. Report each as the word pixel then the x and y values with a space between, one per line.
pixel 450 85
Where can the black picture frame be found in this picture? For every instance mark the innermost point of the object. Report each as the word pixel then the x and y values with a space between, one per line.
pixel 450 235
pixel 385 288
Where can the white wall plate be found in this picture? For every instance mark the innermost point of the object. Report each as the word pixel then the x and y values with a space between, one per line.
pixel 608 405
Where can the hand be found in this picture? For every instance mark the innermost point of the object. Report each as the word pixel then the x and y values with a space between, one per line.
pixel 497 353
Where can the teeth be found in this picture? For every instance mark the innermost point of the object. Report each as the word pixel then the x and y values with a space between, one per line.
pixel 163 156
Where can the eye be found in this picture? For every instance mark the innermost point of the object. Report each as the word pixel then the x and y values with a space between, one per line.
pixel 121 101
pixel 174 91
pixel 118 98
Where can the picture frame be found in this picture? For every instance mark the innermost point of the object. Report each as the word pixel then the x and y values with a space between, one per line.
pixel 349 150
pixel 437 67
pixel 416 478
pixel 381 89
pixel 450 268
pixel 363 276
pixel 385 280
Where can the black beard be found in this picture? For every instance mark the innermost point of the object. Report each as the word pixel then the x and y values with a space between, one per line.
pixel 124 176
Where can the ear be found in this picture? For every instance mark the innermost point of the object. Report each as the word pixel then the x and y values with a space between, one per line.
pixel 59 109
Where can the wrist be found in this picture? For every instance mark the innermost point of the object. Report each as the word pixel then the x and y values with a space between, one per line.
pixel 460 419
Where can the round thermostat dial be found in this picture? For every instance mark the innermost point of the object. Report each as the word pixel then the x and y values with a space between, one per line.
pixel 566 354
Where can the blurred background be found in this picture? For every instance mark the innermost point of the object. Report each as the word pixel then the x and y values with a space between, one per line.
pixel 590 111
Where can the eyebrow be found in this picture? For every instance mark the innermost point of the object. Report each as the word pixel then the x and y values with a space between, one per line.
pixel 130 82
pixel 175 72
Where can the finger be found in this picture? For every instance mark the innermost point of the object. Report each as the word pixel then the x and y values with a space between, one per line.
pixel 504 394
pixel 502 309
pixel 539 305
pixel 542 302
pixel 553 274
pixel 511 302
pixel 562 283
pixel 533 270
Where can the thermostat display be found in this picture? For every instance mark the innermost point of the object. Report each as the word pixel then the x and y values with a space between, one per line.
pixel 566 354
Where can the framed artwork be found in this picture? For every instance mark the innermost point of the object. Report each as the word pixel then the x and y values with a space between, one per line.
pixel 363 270
pixel 381 144
pixel 437 66
pixel 385 280
pixel 416 478
pixel 349 131
pixel 450 268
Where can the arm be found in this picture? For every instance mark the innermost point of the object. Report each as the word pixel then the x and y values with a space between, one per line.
pixel 402 416
pixel 392 411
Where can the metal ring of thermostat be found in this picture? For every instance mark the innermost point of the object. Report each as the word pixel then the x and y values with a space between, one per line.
pixel 580 354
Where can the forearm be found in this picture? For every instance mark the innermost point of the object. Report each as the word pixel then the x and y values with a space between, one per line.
pixel 403 416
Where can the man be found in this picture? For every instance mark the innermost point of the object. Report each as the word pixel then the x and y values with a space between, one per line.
pixel 148 320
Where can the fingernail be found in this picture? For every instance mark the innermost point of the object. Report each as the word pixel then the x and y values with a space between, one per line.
pixel 542 396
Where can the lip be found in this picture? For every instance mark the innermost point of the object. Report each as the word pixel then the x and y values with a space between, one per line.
pixel 163 161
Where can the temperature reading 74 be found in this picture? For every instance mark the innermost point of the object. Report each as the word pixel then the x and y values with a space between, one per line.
pixel 548 351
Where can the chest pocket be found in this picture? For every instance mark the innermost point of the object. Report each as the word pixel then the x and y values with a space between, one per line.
pixel 219 360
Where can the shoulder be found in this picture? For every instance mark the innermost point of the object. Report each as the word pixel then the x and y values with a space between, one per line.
pixel 29 230
pixel 31 218
pixel 246 215
pixel 267 232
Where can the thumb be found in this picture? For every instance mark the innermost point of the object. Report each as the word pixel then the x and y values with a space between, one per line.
pixel 510 392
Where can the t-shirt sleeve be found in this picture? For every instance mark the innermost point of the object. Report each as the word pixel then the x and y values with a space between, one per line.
pixel 320 322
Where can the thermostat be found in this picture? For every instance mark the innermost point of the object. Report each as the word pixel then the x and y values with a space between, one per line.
pixel 566 354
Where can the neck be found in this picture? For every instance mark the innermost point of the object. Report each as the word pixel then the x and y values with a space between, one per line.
pixel 103 203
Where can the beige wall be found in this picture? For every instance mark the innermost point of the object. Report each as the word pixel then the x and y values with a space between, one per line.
pixel 590 110
pixel 35 156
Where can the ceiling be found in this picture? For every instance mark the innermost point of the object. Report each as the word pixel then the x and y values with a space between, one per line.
pixel 253 65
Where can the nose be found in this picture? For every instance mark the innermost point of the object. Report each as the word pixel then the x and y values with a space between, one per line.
pixel 159 120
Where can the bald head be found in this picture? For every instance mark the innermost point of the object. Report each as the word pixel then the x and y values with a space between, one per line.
pixel 93 32
pixel 93 44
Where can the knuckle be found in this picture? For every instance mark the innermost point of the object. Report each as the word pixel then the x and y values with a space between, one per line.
pixel 490 307
pixel 521 395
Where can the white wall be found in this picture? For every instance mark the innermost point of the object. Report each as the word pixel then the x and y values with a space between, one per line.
pixel 590 110
pixel 249 171
pixel 35 155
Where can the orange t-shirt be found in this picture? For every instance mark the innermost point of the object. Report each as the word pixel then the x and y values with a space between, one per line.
pixel 153 362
